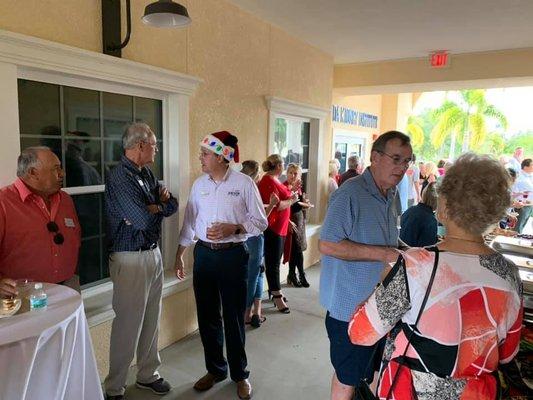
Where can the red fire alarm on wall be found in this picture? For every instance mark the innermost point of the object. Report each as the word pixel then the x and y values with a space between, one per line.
pixel 439 59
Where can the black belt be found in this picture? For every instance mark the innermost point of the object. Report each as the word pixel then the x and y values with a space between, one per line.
pixel 147 247
pixel 219 246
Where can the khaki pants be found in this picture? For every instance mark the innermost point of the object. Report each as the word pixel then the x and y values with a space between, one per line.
pixel 137 287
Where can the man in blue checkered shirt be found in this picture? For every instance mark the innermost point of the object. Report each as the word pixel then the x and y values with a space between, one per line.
pixel 135 205
pixel 358 240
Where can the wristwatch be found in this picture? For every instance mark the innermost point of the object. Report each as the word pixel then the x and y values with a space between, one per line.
pixel 160 208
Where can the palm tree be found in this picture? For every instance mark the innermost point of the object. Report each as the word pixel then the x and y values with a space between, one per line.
pixel 415 130
pixel 466 120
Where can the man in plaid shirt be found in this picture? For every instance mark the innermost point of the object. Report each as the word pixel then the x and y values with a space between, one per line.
pixel 136 204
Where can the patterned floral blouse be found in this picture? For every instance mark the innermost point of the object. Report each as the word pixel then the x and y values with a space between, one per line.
pixel 470 324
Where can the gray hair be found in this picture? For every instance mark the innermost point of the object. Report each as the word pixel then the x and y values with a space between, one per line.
pixel 381 142
pixel 353 162
pixel 29 158
pixel 135 133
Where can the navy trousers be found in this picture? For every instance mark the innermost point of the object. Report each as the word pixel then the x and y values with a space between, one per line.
pixel 220 280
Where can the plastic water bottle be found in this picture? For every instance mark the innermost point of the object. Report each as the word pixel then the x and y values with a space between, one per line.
pixel 38 297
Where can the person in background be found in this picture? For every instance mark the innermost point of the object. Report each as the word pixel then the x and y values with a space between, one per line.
pixel 278 225
pixel 418 223
pixel 40 234
pixel 515 162
pixel 296 239
pixel 403 194
pixel 333 171
pixel 523 189
pixel 224 209
pixel 440 167
pixel 472 320
pixel 255 246
pixel 431 175
pixel 136 204
pixel 414 183
pixel 353 165
pixel 358 240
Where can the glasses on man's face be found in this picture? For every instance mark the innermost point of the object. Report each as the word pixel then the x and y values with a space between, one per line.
pixel 154 145
pixel 397 160
pixel 53 228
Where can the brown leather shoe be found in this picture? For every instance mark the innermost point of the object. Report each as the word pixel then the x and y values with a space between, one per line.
pixel 207 381
pixel 244 389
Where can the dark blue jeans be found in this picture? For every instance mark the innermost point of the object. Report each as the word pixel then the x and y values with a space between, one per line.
pixel 220 282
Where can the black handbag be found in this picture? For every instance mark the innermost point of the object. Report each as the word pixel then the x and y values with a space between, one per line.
pixel 363 391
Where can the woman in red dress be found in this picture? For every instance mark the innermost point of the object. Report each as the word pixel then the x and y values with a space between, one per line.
pixel 278 224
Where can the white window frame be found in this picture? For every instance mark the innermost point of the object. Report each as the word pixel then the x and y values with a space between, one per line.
pixel 279 107
pixel 27 57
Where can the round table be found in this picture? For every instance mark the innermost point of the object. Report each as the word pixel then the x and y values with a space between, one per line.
pixel 47 354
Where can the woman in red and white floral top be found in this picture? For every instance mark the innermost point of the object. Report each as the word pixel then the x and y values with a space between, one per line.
pixel 473 317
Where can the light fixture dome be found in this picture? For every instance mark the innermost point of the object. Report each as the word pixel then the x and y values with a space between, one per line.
pixel 166 13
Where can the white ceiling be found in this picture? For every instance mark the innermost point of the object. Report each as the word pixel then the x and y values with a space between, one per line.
pixel 371 30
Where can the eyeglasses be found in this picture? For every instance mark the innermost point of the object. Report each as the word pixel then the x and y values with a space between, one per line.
pixel 53 228
pixel 397 160
pixel 154 145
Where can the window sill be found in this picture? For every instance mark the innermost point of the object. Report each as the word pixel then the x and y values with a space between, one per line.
pixel 97 299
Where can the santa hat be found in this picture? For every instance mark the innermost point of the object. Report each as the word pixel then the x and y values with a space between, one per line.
pixel 222 143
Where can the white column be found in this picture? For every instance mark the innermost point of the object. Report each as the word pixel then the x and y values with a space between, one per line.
pixel 9 127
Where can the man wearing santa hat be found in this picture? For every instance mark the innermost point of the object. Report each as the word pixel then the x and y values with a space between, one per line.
pixel 223 210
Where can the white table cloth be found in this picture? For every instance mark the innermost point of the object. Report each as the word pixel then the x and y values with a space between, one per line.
pixel 47 354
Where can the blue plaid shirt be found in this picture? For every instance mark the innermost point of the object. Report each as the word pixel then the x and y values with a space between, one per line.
pixel 358 212
pixel 128 191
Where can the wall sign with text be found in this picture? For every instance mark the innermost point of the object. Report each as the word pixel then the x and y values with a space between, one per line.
pixel 353 117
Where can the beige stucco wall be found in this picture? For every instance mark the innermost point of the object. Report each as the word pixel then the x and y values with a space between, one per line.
pixel 501 68
pixel 240 58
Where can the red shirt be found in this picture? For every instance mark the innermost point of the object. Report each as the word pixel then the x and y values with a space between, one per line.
pixel 278 221
pixel 27 248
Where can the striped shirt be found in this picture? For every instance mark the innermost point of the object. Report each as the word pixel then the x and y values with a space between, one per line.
pixel 128 191
pixel 357 212
pixel 234 200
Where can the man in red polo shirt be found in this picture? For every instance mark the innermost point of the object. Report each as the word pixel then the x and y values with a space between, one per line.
pixel 39 228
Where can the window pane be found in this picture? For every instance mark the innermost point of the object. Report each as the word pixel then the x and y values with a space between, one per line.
pixel 306 127
pixel 54 144
pixel 112 153
pixel 82 161
pixel 38 108
pixel 118 112
pixel 92 264
pixel 280 137
pixel 157 167
pixel 149 111
pixel 82 111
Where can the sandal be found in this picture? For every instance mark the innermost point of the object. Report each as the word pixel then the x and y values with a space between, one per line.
pixel 257 320
pixel 284 310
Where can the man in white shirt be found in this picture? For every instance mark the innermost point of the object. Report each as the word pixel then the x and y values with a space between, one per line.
pixel 223 210
pixel 515 162
pixel 523 190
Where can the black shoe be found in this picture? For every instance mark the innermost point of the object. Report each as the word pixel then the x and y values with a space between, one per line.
pixel 303 281
pixel 160 386
pixel 257 320
pixel 117 397
pixel 292 279
pixel 284 310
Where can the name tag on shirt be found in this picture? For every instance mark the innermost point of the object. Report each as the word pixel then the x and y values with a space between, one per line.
pixel 206 193
pixel 69 223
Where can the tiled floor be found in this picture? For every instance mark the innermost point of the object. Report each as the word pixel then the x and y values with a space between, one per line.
pixel 288 356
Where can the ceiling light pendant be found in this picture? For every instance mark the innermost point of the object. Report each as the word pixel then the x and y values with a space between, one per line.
pixel 166 14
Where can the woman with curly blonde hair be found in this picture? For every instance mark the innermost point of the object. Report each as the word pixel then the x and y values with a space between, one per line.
pixel 473 315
